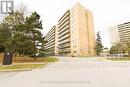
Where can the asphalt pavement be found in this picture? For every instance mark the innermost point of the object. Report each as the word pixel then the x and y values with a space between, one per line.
pixel 72 72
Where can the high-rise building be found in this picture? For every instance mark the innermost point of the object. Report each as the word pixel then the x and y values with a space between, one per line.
pixel 124 32
pixel 74 33
pixel 120 33
pixel 114 35
pixel 50 38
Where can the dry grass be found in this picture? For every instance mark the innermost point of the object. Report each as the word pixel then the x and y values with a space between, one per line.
pixel 20 59
pixel 21 66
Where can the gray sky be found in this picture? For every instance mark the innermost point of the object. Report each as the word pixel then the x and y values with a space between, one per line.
pixel 106 13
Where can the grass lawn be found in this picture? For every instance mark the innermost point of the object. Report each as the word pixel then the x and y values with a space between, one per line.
pixel 25 63
pixel 21 67
pixel 26 59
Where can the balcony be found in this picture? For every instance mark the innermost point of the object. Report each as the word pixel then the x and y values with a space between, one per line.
pixel 64 50
pixel 50 33
pixel 64 37
pixel 51 41
pixel 65 15
pixel 50 45
pixel 64 33
pixel 49 37
pixel 64 25
pixel 64 21
pixel 64 41
pixel 64 29
pixel 64 46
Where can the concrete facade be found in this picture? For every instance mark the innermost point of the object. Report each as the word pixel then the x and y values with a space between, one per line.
pixel 124 32
pixel 114 35
pixel 50 38
pixel 120 33
pixel 75 33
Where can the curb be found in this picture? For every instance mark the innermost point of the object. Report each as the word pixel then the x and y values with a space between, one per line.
pixel 14 70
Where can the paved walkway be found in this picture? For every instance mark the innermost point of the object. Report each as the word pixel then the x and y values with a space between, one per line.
pixel 73 72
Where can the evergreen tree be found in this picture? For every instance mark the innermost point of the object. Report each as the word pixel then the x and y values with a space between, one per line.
pixel 5 34
pixel 34 26
pixel 99 46
pixel 15 21
pixel 21 34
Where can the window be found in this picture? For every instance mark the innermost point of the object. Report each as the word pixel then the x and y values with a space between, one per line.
pixel 74 51
pixel 74 46
pixel 74 41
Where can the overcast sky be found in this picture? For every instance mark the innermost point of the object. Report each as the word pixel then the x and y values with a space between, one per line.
pixel 106 13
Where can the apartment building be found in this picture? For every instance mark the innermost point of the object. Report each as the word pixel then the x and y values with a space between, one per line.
pixel 74 33
pixel 64 34
pixel 124 32
pixel 120 33
pixel 50 38
pixel 114 35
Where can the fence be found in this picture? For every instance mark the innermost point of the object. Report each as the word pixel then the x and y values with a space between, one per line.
pixel 21 59
pixel 117 57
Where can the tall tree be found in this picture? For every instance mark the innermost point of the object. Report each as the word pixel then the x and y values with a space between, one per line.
pixel 5 34
pixel 15 21
pixel 34 26
pixel 22 34
pixel 99 46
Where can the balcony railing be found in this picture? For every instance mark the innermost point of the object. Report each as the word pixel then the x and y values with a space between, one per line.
pixel 65 41
pixel 65 15
pixel 64 50
pixel 64 21
pixel 50 33
pixel 64 46
pixel 51 41
pixel 64 37
pixel 50 45
pixel 64 25
pixel 49 37
pixel 64 29
pixel 64 33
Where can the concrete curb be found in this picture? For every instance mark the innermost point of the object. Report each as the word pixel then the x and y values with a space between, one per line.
pixel 14 70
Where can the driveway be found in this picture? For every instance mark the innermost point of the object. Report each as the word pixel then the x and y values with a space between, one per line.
pixel 73 72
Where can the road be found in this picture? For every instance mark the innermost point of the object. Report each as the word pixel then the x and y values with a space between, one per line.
pixel 72 72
